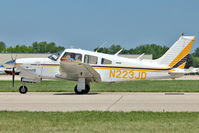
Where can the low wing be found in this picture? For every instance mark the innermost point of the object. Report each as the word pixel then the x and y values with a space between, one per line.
pixel 27 74
pixel 71 70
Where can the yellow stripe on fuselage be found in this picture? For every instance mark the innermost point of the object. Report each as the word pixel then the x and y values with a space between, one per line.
pixel 49 65
pixel 143 70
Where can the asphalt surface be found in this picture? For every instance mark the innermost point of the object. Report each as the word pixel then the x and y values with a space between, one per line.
pixel 36 101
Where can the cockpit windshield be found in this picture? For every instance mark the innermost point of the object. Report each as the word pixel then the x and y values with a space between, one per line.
pixel 55 56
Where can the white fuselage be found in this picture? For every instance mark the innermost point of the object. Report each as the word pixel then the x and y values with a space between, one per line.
pixel 117 69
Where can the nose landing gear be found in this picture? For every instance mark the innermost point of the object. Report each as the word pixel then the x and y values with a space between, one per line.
pixel 23 89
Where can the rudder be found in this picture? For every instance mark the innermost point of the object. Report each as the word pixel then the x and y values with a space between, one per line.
pixel 177 55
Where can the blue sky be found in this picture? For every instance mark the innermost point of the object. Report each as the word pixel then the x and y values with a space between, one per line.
pixel 87 24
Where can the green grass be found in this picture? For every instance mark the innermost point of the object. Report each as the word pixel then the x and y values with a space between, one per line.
pixel 136 86
pixel 99 122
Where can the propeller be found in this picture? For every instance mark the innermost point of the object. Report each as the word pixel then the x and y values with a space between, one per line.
pixel 13 77
pixel 13 70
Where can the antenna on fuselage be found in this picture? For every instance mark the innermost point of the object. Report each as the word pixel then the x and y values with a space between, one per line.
pixel 140 57
pixel 118 52
pixel 100 46
pixel 71 46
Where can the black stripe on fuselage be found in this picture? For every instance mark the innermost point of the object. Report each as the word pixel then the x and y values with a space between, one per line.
pixel 161 69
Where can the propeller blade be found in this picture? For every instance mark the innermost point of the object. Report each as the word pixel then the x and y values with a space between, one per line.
pixel 15 57
pixel 12 58
pixel 13 70
pixel 13 77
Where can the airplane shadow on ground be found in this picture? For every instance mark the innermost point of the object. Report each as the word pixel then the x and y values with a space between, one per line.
pixel 92 93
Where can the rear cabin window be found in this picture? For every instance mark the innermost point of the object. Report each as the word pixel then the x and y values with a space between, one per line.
pixel 71 57
pixel 106 61
pixel 90 59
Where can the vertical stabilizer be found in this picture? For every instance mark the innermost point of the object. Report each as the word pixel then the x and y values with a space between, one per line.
pixel 177 55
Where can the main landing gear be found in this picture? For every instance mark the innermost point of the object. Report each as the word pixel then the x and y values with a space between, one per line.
pixel 85 91
pixel 82 87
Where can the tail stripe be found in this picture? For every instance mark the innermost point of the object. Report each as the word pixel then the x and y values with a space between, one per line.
pixel 182 54
pixel 182 61
pixel 182 66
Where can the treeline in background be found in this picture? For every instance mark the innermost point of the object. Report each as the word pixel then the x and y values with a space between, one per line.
pixel 36 47
pixel 154 49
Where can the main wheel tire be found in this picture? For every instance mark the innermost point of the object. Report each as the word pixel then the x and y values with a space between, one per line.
pixel 77 91
pixel 23 89
pixel 87 89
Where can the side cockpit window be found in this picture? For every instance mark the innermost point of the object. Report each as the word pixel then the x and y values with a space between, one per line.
pixel 89 59
pixel 71 57
pixel 106 61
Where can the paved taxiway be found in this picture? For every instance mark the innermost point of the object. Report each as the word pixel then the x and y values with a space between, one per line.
pixel 34 101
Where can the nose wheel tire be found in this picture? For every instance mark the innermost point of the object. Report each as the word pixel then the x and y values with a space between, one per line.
pixel 87 89
pixel 23 89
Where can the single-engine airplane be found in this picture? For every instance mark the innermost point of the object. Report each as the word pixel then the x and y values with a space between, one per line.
pixel 85 66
